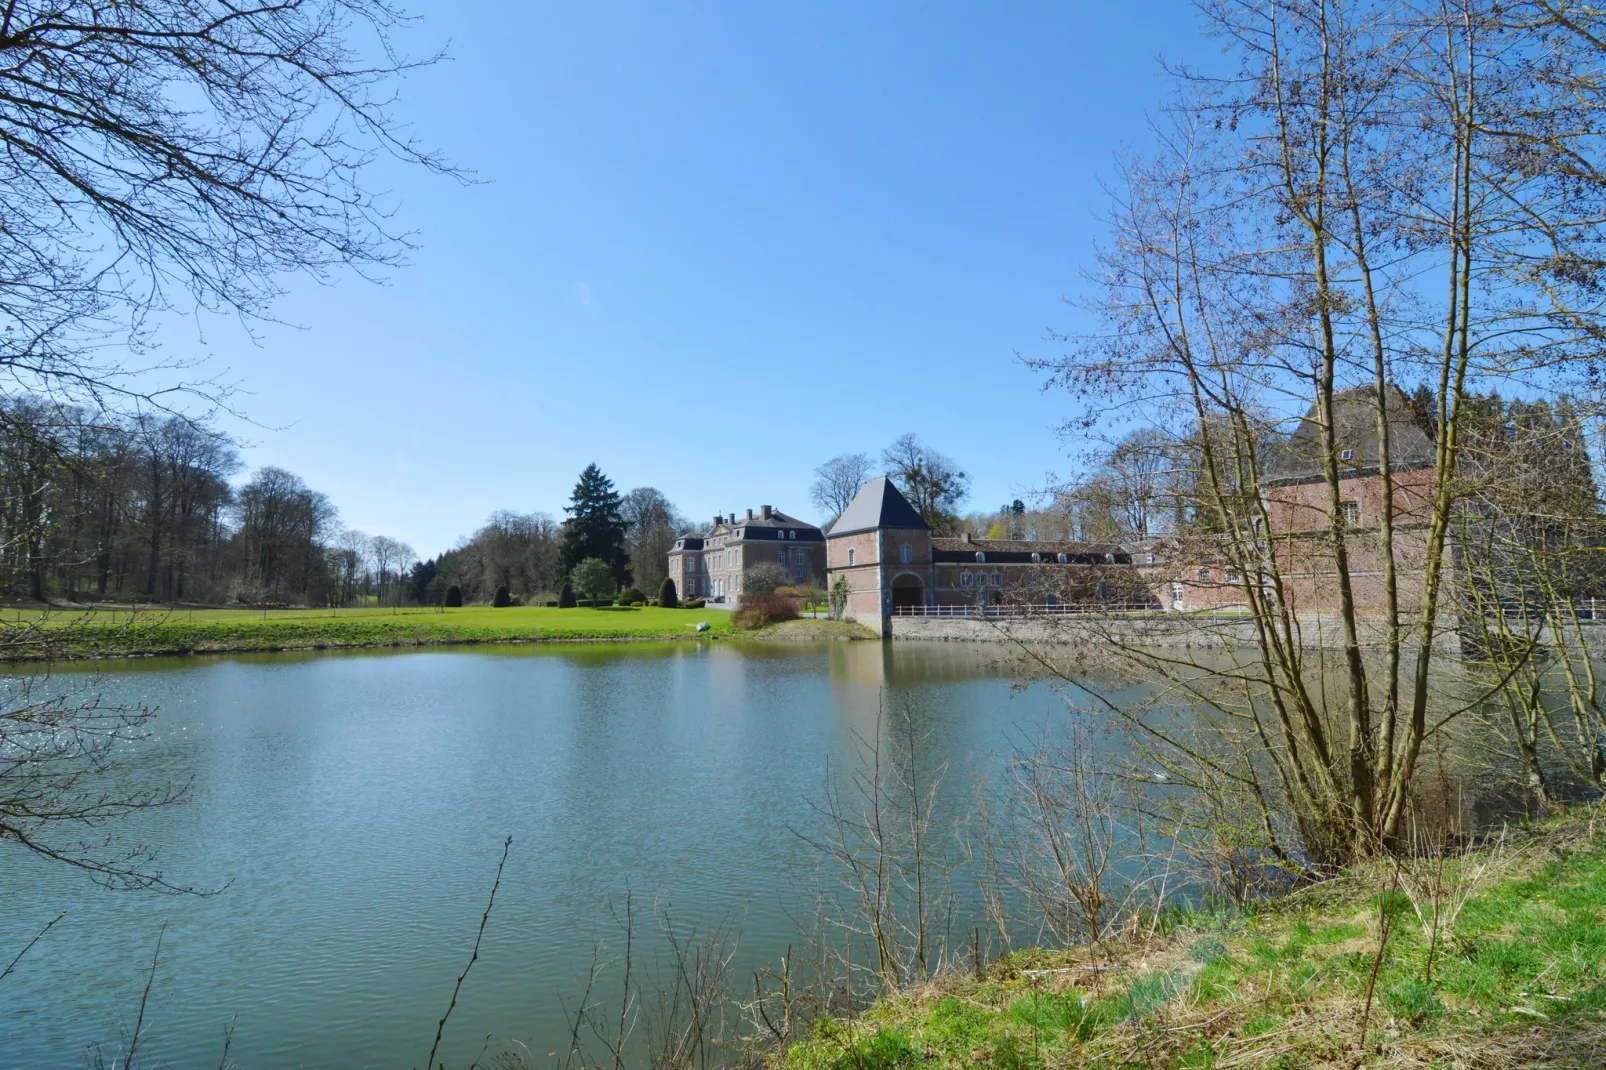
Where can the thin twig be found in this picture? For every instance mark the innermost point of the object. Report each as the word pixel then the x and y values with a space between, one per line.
pixel 485 918
pixel 139 1020
pixel 40 935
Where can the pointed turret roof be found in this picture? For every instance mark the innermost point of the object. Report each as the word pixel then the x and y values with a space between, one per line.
pixel 878 505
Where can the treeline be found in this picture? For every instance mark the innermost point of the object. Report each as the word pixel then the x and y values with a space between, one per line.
pixel 533 555
pixel 101 507
pixel 97 507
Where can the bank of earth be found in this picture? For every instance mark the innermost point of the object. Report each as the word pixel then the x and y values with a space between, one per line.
pixel 121 632
pixel 1518 979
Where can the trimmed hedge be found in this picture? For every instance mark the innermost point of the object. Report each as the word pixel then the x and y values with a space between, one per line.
pixel 630 596
pixel 566 596
pixel 668 597
pixel 454 597
pixel 501 599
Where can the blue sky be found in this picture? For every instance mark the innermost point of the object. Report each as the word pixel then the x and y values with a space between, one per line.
pixel 713 245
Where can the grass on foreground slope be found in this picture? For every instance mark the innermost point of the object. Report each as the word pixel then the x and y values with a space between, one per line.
pixel 107 632
pixel 1518 980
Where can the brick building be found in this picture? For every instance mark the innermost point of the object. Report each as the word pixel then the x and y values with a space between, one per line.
pixel 713 564
pixel 1298 505
pixel 885 553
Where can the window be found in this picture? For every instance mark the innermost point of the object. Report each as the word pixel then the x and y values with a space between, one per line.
pixel 780 534
pixel 1350 512
pixel 852 554
pixel 1346 455
pixel 980 557
pixel 791 534
pixel 996 579
pixel 1151 559
pixel 1204 575
pixel 906 553
pixel 1232 575
pixel 1104 592
pixel 1037 558
pixel 1064 559
pixel 783 555
pixel 964 579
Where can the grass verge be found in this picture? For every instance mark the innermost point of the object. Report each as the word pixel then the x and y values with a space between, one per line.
pixel 1518 978
pixel 122 632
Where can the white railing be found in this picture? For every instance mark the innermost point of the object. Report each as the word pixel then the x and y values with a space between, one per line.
pixel 1015 610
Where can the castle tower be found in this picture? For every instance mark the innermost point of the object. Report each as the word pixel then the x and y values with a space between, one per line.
pixel 882 547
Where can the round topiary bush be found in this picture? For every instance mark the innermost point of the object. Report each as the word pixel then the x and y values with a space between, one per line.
pixel 630 596
pixel 501 599
pixel 566 596
pixel 454 597
pixel 668 597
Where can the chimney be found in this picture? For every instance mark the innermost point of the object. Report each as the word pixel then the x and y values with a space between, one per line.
pixel 718 520
pixel 750 514
pixel 967 536
pixel 764 509
pixel 733 518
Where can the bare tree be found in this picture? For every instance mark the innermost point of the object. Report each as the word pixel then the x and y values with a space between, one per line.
pixel 933 483
pixel 1357 203
pixel 169 155
pixel 837 481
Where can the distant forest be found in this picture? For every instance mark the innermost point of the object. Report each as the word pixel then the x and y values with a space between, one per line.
pixel 95 507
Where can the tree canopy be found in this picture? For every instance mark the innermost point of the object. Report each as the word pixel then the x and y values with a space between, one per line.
pixel 596 526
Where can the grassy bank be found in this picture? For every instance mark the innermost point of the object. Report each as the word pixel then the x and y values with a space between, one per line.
pixel 1517 978
pixel 121 632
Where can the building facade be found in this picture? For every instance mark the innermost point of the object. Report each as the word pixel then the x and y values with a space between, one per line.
pixel 884 553
pixel 713 564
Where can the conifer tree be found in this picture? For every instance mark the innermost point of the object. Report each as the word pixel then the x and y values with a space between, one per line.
pixel 595 527
pixel 454 597
pixel 668 597
pixel 566 596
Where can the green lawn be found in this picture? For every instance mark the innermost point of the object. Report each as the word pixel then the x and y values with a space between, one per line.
pixel 158 630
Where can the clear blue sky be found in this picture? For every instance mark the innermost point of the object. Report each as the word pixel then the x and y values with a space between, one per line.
pixel 715 244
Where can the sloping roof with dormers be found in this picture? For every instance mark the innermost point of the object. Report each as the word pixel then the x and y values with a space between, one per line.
pixel 1020 551
pixel 1298 458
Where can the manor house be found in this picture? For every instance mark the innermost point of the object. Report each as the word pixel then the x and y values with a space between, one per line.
pixel 712 564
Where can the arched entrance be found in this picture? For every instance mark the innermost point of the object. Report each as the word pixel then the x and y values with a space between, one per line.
pixel 907 590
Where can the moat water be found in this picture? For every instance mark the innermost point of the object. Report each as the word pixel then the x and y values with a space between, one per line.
pixel 353 807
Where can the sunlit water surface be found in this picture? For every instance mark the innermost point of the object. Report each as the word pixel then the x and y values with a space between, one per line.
pixel 355 807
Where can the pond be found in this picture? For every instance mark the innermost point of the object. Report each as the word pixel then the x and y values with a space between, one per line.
pixel 353 807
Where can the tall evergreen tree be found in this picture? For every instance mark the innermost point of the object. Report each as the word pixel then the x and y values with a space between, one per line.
pixel 596 527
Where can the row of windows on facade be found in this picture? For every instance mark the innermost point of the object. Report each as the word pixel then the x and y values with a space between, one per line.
pixel 906 554
pixel 733 559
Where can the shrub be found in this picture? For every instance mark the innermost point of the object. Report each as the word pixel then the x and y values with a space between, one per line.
pixel 454 597
pixel 765 609
pixel 501 599
pixel 637 604
pixel 695 603
pixel 667 595
pixel 762 579
pixel 631 596
pixel 566 596
pixel 551 605
pixel 594 579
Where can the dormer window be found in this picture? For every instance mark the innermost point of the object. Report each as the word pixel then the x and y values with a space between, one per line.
pixel 780 534
pixel 1064 559
pixel 1037 558
pixel 1346 455
pixel 980 557
pixel 791 534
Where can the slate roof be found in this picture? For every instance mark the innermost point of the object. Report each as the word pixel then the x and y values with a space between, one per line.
pixel 1019 551
pixel 778 519
pixel 878 505
pixel 1298 457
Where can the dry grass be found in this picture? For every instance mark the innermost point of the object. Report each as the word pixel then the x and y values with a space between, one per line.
pixel 1518 979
